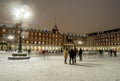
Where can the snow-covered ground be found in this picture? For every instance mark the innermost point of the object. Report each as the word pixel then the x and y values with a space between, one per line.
pixel 52 68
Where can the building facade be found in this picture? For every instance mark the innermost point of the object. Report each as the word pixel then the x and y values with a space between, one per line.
pixel 53 40
pixel 105 40
pixel 31 38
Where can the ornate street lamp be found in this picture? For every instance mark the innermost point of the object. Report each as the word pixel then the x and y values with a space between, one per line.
pixel 21 14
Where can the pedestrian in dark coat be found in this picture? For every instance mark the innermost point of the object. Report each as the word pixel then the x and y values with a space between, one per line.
pixel 114 52
pixel 29 51
pixel 71 55
pixel 101 52
pixel 75 54
pixel 80 54
pixel 111 51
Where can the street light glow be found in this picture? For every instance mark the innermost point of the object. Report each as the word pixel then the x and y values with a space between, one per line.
pixel 10 37
pixel 22 12
pixel 79 42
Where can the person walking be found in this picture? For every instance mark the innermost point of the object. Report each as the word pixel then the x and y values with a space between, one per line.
pixel 101 53
pixel 65 56
pixel 80 54
pixel 29 51
pixel 111 51
pixel 71 55
pixel 115 52
pixel 44 53
pixel 75 54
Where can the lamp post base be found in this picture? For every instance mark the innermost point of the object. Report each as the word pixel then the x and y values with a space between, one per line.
pixel 19 56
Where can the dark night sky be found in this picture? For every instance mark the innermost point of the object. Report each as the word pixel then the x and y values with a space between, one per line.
pixel 79 16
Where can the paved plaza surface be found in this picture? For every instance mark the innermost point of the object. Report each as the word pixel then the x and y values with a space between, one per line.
pixel 52 68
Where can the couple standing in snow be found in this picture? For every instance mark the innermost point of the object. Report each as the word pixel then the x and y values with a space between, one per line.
pixel 72 55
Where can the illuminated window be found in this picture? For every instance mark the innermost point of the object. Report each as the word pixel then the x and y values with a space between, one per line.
pixel 56 39
pixel 18 31
pixel 53 35
pixel 31 33
pixel 48 42
pixel 59 43
pixel 31 37
pixel 39 37
pixel 35 37
pixel 56 31
pixel 117 34
pixel 31 41
pixel 4 30
pixel 56 35
pixel 46 39
pixel 39 42
pixel 35 42
pixel 111 43
pixel 43 38
pixel 43 34
pixel 35 33
pixel 27 42
pixel 43 42
pixel 39 33
pixel 118 43
pixel 118 39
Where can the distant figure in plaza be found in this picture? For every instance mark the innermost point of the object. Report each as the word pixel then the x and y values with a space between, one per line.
pixel 80 54
pixel 115 52
pixel 71 55
pixel 75 54
pixel 101 52
pixel 15 50
pixel 10 48
pixel 43 52
pixel 29 51
pixel 110 51
pixel 65 55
